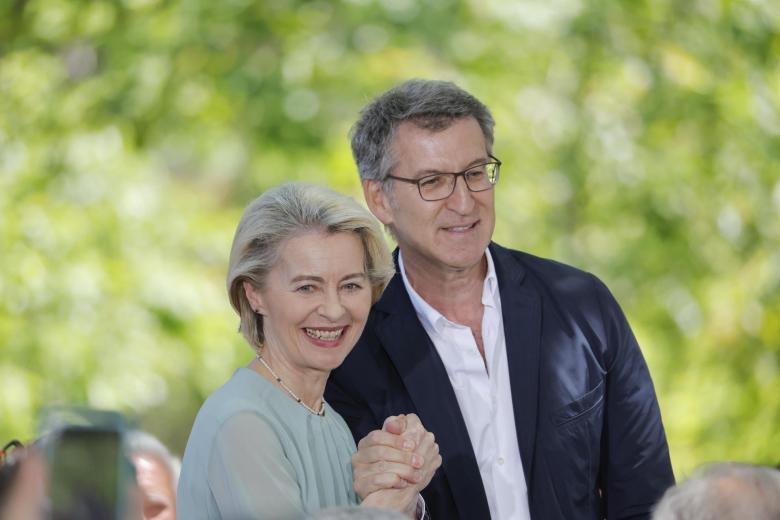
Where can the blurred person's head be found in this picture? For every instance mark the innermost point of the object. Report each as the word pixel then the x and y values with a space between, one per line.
pixel 302 217
pixel 724 491
pixel 355 513
pixel 22 483
pixel 157 474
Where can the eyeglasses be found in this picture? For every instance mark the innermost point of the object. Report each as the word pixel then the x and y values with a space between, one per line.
pixel 439 186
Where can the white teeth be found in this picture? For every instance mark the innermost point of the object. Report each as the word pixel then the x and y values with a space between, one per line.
pixel 327 335
pixel 459 228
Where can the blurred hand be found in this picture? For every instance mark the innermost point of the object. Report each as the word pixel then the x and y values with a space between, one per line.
pixel 26 496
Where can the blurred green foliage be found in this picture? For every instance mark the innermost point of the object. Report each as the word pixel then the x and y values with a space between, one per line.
pixel 641 141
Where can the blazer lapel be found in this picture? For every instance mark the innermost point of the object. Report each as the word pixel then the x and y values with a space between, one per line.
pixel 428 385
pixel 521 310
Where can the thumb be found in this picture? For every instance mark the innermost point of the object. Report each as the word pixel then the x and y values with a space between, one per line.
pixel 395 424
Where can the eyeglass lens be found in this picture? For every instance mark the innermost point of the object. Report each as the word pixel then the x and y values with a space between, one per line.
pixel 441 185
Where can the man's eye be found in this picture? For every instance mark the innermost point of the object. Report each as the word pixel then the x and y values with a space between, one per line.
pixel 431 182
pixel 305 288
pixel 475 174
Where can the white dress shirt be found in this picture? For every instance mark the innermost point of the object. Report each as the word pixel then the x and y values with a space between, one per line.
pixel 484 396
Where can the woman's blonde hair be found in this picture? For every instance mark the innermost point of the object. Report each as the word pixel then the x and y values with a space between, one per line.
pixel 288 211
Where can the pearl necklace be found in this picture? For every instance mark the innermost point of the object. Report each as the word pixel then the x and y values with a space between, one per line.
pixel 289 391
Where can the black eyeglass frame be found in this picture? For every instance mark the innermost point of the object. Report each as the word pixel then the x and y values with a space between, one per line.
pixel 418 182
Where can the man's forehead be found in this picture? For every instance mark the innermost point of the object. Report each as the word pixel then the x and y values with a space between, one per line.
pixel 458 146
pixel 433 124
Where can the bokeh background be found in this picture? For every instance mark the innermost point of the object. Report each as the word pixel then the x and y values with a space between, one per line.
pixel 640 140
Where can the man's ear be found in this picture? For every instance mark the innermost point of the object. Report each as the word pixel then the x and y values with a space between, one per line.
pixel 254 297
pixel 378 201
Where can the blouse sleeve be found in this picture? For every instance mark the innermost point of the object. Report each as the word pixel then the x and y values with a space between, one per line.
pixel 249 474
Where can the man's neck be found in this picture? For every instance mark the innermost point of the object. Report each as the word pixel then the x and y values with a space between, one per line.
pixel 455 292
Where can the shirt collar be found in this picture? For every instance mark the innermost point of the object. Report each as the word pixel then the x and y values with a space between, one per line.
pixel 433 320
pixel 490 288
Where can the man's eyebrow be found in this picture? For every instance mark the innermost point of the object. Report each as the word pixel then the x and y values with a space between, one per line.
pixel 475 162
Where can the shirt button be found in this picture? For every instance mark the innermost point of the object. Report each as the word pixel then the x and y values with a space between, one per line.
pixel 500 461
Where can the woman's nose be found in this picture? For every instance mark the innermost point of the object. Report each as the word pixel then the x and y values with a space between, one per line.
pixel 331 307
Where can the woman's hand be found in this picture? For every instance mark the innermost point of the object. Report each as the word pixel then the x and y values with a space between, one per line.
pixel 394 464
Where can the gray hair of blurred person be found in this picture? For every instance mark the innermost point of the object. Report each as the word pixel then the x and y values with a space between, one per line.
pixel 355 513
pixel 430 104
pixel 142 443
pixel 724 491
pixel 288 211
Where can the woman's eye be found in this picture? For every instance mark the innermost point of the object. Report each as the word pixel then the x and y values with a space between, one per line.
pixel 305 289
pixel 352 286
pixel 475 174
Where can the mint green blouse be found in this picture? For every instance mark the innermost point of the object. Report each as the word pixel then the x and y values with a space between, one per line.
pixel 255 453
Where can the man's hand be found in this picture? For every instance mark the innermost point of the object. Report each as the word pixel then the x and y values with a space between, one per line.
pixel 392 465
pixel 411 430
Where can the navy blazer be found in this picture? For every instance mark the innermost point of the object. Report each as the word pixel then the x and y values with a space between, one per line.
pixel 588 424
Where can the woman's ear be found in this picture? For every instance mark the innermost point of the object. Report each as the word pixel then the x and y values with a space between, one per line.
pixel 254 297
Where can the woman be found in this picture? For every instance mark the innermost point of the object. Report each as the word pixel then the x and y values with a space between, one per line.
pixel 305 267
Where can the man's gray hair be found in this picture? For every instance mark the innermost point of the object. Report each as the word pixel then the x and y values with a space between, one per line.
pixel 724 491
pixel 433 105
pixel 143 443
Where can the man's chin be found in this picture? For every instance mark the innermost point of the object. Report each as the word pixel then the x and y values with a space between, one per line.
pixel 465 261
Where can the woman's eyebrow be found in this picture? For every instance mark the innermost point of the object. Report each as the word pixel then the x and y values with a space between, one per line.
pixel 361 275
pixel 320 279
pixel 307 278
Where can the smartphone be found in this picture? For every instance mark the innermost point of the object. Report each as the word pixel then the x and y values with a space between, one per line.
pixel 84 478
pixel 89 472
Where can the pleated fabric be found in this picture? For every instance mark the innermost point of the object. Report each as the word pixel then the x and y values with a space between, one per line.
pixel 254 453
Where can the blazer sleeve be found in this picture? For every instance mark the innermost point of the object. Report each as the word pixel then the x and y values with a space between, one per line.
pixel 635 464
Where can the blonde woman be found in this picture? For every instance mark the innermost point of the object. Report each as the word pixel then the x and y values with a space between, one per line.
pixel 305 267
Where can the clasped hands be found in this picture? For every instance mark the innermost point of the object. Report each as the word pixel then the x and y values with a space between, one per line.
pixel 392 465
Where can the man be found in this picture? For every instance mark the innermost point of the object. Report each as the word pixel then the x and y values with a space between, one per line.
pixel 525 369
pixel 157 473
pixel 726 491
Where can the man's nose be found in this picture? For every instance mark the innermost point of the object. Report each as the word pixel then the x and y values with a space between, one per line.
pixel 462 199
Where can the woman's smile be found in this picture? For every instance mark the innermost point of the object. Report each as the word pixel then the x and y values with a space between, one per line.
pixel 325 336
